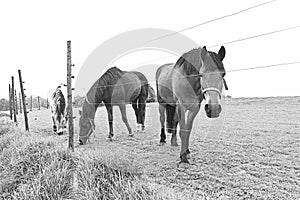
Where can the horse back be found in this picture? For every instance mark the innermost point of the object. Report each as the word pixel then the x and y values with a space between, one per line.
pixel 126 89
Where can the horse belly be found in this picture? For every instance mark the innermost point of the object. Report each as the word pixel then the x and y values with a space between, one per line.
pixel 166 95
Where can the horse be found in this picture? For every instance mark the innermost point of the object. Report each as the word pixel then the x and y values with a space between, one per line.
pixel 197 75
pixel 114 87
pixel 57 107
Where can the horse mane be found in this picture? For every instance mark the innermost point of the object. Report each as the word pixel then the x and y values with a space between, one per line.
pixel 219 63
pixel 191 61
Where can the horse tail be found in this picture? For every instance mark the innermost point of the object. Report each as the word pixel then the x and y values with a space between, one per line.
pixel 170 111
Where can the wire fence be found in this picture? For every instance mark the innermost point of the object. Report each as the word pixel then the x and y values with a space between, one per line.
pixel 225 43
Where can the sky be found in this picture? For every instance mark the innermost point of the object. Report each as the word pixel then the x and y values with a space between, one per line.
pixel 34 36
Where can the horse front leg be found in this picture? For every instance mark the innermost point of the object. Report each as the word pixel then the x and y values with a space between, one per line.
pixel 54 125
pixel 174 128
pixel 174 137
pixel 162 110
pixel 109 110
pixel 124 118
pixel 186 122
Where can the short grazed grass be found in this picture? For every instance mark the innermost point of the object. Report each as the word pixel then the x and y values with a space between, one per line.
pixel 251 152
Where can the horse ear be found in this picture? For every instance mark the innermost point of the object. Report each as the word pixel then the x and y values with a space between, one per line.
pixel 203 53
pixel 80 112
pixel 222 53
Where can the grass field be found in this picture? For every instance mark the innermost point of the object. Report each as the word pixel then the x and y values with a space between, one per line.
pixel 252 151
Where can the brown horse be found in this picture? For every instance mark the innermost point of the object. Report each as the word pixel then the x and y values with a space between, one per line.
pixel 181 87
pixel 114 87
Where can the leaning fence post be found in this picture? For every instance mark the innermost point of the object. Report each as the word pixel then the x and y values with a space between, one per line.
pixel 10 104
pixel 24 101
pixel 13 99
pixel 69 95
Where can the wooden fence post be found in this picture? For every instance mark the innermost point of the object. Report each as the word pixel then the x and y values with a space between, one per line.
pixel 20 101
pixel 38 100
pixel 16 103
pixel 13 99
pixel 69 95
pixel 10 104
pixel 24 101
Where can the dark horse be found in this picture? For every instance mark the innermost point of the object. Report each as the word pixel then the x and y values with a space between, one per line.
pixel 114 87
pixel 58 105
pixel 197 75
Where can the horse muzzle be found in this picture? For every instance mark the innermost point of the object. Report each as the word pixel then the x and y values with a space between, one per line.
pixel 213 110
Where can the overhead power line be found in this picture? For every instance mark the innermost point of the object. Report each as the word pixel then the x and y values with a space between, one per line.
pixel 255 36
pixel 210 21
pixel 264 66
pixel 229 42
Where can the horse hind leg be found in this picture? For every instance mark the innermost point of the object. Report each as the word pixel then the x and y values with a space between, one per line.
pixel 142 113
pixel 162 110
pixel 136 112
pixel 124 118
pixel 175 125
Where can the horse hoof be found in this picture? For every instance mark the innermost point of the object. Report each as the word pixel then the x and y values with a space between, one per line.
pixel 162 143
pixel 131 135
pixel 60 133
pixel 110 138
pixel 183 165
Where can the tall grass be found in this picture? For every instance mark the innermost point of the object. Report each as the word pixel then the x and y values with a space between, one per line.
pixel 38 166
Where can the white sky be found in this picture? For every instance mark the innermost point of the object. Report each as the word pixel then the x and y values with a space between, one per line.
pixel 34 34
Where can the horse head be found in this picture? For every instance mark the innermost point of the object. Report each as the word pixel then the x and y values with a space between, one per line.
pixel 212 80
pixel 86 127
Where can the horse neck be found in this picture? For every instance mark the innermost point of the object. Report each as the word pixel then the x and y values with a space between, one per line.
pixel 88 110
pixel 95 94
